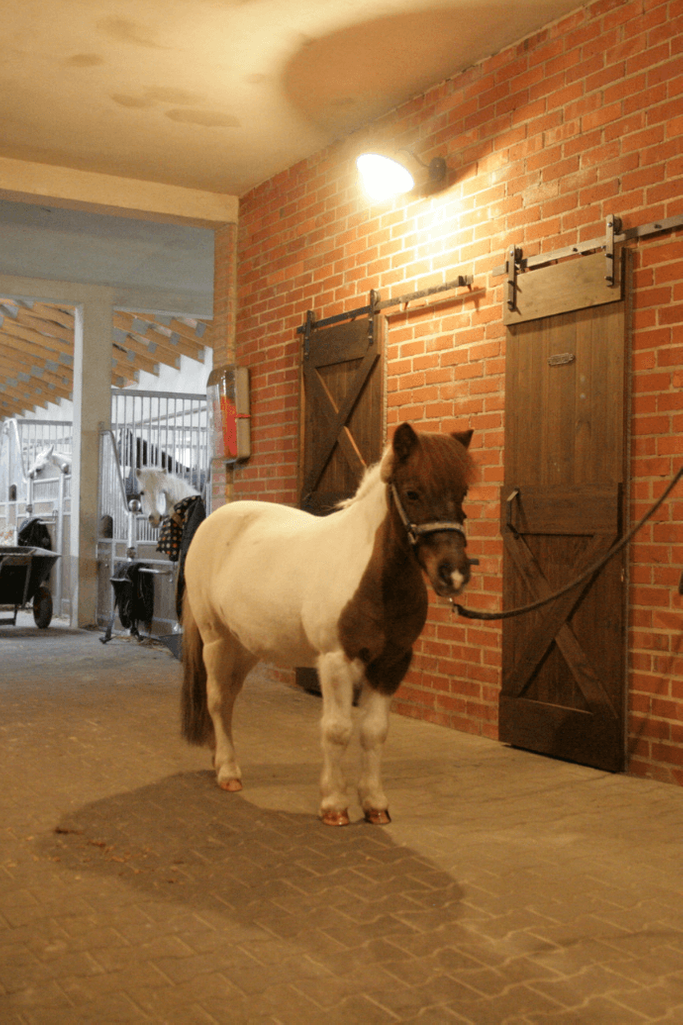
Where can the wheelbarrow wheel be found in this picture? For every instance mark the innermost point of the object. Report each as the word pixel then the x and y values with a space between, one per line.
pixel 42 607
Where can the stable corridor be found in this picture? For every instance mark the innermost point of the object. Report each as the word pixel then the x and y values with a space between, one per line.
pixel 510 889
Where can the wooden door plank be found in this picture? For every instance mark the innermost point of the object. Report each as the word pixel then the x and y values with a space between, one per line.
pixel 604 460
pixel 583 509
pixel 338 344
pixel 564 287
pixel 547 729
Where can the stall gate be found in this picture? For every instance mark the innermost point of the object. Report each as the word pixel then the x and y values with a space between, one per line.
pixel 46 496
pixel 151 429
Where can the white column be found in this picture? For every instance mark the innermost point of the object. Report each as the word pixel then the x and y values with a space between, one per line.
pixel 91 409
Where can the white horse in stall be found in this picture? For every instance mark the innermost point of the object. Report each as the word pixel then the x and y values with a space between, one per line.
pixel 343 593
pixel 159 492
pixel 49 459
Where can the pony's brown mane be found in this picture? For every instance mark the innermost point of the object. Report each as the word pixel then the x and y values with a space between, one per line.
pixel 439 452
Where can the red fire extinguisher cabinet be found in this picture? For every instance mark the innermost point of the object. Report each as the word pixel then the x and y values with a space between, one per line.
pixel 230 421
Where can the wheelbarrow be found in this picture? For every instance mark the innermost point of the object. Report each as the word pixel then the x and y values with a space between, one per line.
pixel 23 572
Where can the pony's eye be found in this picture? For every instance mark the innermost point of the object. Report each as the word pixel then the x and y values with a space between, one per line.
pixel 412 496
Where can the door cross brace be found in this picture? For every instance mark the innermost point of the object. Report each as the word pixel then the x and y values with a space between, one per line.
pixel 554 626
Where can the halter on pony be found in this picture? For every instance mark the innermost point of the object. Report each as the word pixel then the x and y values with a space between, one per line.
pixel 418 530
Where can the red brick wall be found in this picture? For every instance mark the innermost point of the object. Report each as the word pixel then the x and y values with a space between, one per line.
pixel 543 141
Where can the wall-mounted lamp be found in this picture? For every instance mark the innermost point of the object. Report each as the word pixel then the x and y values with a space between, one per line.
pixel 383 177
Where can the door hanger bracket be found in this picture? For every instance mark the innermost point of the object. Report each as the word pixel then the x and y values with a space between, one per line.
pixel 612 226
pixel 308 327
pixel 372 310
pixel 512 268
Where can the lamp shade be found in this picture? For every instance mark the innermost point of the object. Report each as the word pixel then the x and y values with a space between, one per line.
pixel 383 177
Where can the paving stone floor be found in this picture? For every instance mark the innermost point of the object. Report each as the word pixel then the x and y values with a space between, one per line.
pixel 509 888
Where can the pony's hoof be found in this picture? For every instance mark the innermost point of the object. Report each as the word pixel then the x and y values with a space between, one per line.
pixel 232 785
pixel 378 816
pixel 336 818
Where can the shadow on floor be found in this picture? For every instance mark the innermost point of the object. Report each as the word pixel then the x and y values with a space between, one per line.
pixel 180 839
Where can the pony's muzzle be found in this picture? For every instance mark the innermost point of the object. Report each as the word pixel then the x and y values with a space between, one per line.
pixel 452 578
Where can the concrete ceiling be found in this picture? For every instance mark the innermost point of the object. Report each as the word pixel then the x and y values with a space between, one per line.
pixel 150 266
pixel 219 95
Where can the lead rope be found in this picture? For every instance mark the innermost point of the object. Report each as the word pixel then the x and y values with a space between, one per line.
pixel 586 575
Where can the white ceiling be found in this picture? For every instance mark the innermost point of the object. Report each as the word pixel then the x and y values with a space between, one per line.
pixel 219 95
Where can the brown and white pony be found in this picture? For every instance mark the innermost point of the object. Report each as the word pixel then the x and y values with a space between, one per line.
pixel 344 593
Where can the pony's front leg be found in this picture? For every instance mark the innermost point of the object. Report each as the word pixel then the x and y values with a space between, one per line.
pixel 374 725
pixel 337 677
pixel 227 664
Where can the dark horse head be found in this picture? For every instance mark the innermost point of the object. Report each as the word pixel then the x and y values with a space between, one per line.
pixel 429 475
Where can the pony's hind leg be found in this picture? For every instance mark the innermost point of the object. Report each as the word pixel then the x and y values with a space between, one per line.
pixel 227 663
pixel 374 724
pixel 337 678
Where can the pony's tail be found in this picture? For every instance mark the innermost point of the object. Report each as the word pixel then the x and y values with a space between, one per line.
pixel 196 725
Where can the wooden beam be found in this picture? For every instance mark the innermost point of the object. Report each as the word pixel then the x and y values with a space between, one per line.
pixel 37 340
pixel 46 327
pixel 160 334
pixel 15 349
pixel 58 314
pixel 13 344
pixel 11 327
pixel 199 332
pixel 123 373
pixel 157 343
pixel 39 318
pixel 141 359
pixel 23 396
pixel 11 368
pixel 122 369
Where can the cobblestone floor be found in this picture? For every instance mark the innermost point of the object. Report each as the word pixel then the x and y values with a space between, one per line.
pixel 509 888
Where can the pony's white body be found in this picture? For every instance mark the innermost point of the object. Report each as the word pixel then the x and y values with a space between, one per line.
pixel 281 577
pixel 159 492
pixel 342 593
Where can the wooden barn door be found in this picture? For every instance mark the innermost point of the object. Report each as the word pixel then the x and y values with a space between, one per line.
pixel 342 411
pixel 341 418
pixel 562 507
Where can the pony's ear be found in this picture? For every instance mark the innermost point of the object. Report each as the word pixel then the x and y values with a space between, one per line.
pixel 405 440
pixel 464 437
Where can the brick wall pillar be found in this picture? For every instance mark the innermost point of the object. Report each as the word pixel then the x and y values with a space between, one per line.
pixel 224 319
